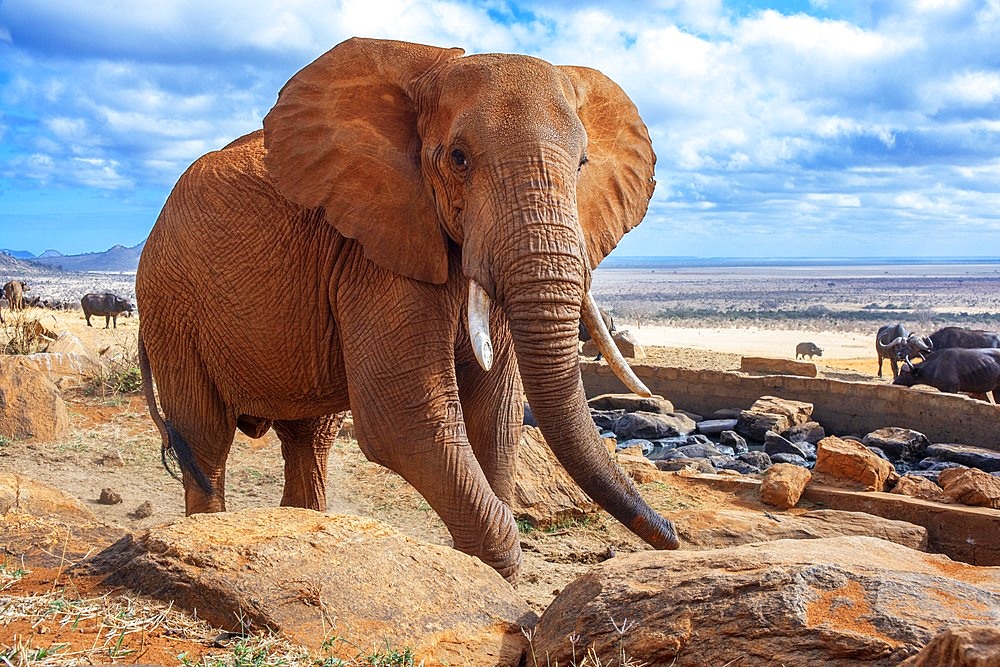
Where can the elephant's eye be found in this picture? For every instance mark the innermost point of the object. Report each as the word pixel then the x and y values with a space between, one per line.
pixel 458 158
pixel 584 160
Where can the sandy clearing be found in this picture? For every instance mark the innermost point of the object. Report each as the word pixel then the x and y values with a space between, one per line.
pixel 779 343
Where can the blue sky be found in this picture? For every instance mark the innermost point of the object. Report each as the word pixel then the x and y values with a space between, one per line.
pixel 809 128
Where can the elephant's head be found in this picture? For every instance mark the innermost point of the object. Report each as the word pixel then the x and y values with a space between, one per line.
pixel 534 171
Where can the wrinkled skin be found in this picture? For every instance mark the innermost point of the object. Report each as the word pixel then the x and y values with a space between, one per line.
pixel 387 176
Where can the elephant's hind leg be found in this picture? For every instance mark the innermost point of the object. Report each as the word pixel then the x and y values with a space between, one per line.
pixel 305 446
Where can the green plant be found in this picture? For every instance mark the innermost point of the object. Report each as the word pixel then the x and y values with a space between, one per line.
pixel 120 374
pixel 23 336
pixel 525 526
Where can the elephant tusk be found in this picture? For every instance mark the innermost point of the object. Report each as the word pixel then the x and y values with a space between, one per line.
pixel 479 325
pixel 595 325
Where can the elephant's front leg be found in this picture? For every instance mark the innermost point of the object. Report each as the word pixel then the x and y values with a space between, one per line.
pixel 305 446
pixel 408 416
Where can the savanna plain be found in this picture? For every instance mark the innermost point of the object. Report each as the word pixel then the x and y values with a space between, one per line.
pixel 686 316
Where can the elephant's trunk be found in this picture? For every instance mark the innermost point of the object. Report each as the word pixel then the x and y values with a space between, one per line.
pixel 544 313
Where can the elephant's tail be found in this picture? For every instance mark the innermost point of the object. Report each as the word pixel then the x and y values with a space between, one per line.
pixel 172 444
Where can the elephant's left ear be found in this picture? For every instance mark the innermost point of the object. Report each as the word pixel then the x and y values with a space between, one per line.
pixel 617 182
pixel 343 136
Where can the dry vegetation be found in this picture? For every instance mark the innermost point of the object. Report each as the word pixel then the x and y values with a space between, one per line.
pixel 51 613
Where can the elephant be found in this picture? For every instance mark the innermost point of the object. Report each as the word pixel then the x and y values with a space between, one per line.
pixel 434 219
pixel 14 291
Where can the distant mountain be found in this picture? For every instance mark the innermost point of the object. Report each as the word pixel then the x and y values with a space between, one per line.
pixel 116 258
pixel 13 268
pixel 17 254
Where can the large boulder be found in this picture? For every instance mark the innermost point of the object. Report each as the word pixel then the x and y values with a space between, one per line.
pixel 848 463
pixel 966 455
pixel 969 486
pixel 916 486
pixel 782 485
pixel 718 528
pixel 770 413
pixel 976 646
pixel 898 443
pixel 624 340
pixel 312 577
pixel 544 493
pixel 30 405
pixel 67 360
pixel 651 426
pixel 631 403
pixel 842 602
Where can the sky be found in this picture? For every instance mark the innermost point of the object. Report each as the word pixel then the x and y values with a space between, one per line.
pixel 810 128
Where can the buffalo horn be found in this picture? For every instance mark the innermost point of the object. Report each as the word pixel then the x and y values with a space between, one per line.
pixel 591 318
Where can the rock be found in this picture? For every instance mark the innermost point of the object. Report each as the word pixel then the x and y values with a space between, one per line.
pixel 109 497
pixel 775 444
pixel 604 419
pixel 879 453
pixel 544 493
pixel 970 646
pixel 67 358
pixel 721 463
pixel 810 432
pixel 644 446
pixel 639 468
pixel 766 366
pixel 794 459
pixel 631 403
pixel 783 484
pixel 143 511
pixel 756 458
pixel 112 459
pixel 974 457
pixel 698 451
pixel 304 573
pixel 628 344
pixel 624 340
pixel 651 426
pixel 25 495
pixel 850 464
pixel 30 405
pixel 676 465
pixel 734 440
pixel 701 529
pixel 971 486
pixel 898 443
pixel 769 413
pixel 835 602
pixel 917 486
pixel 716 426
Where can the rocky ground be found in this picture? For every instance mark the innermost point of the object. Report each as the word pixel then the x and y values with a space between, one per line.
pixel 113 450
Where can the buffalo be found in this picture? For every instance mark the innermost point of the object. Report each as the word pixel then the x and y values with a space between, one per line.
pixel 609 323
pixel 802 349
pixel 889 341
pixel 947 338
pixel 107 304
pixel 957 369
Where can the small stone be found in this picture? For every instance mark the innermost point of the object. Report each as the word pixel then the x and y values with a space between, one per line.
pixel 109 497
pixel 755 458
pixel 775 444
pixel 810 432
pixel 143 511
pixel 734 440
pixel 716 426
pixel 794 459
pixel 971 486
pixel 918 486
pixel 113 460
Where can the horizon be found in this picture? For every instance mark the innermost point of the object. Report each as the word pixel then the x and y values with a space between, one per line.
pixel 782 127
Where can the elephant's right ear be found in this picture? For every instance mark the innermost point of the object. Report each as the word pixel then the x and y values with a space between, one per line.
pixel 343 136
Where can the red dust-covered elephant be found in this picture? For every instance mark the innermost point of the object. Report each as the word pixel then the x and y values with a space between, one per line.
pixel 432 220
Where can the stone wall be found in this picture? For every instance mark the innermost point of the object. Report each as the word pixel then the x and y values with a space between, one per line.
pixel 844 408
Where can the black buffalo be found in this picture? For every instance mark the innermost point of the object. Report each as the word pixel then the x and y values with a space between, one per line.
pixel 107 304
pixel 609 323
pixel 802 349
pixel 889 340
pixel 947 338
pixel 957 369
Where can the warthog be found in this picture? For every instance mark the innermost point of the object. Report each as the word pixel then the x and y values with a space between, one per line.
pixel 957 369
pixel 802 349
pixel 107 304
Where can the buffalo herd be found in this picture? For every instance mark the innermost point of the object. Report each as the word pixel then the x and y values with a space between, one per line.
pixel 952 359
pixel 96 303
